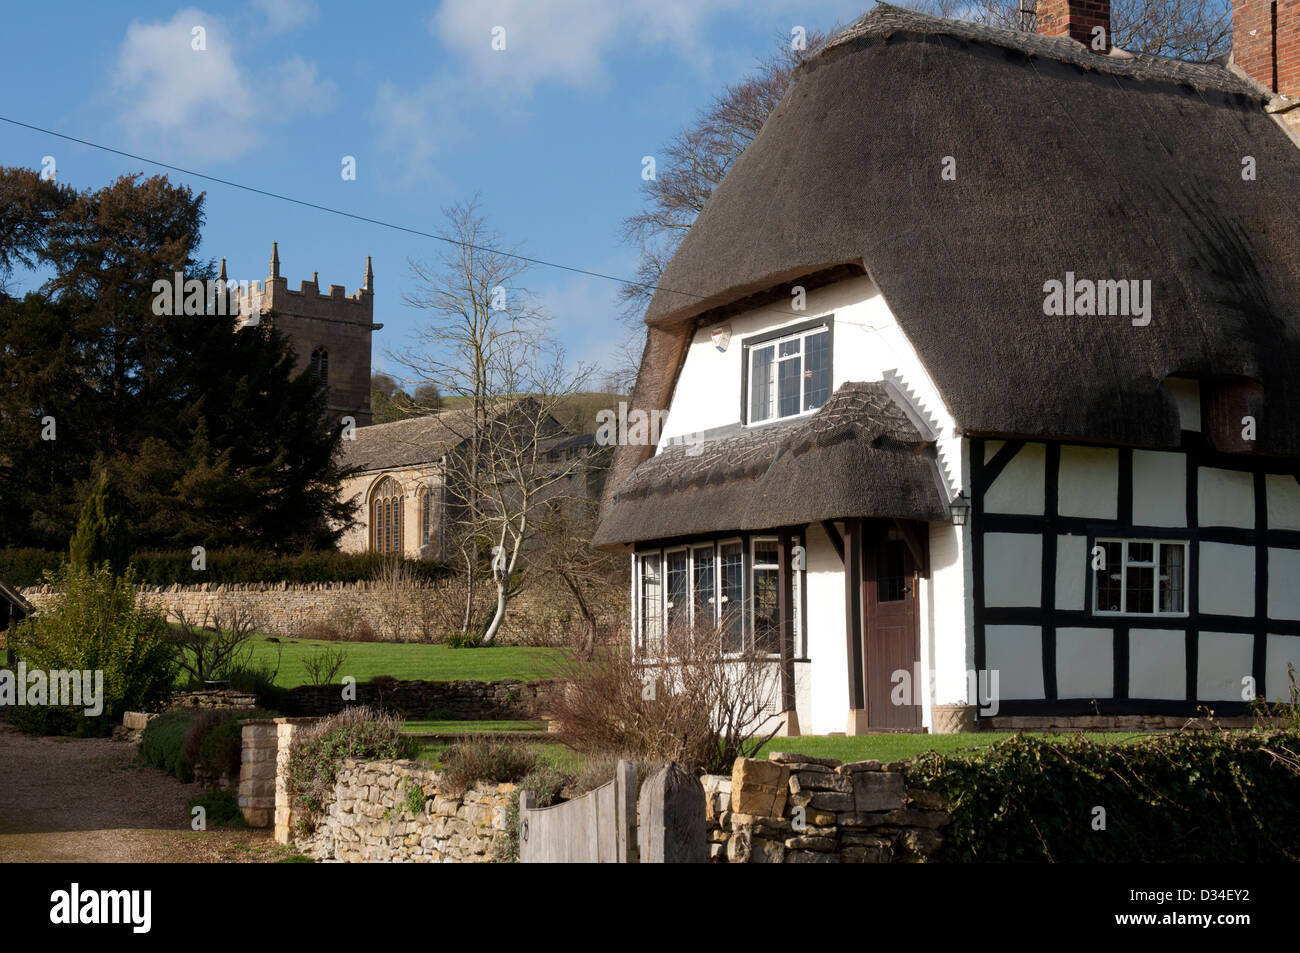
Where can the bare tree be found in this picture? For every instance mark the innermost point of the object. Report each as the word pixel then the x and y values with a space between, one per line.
pixel 480 318
pixel 691 165
pixel 1197 30
pixel 211 646
pixel 589 575
pixel 519 479
pixel 485 343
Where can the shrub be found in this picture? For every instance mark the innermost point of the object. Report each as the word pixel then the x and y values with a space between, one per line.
pixel 93 624
pixel 414 797
pixel 221 809
pixel 463 640
pixel 323 665
pixel 486 759
pixel 318 751
pixel 209 647
pixel 163 744
pixel 1188 797
pixel 215 739
pixel 703 711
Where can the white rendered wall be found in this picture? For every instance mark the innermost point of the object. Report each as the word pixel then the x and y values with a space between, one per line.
pixel 828 673
pixel 867 343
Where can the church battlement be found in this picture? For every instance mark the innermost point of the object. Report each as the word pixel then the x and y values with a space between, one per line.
pixel 330 333
pixel 308 302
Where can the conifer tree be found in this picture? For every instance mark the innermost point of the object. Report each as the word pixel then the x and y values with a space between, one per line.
pixel 101 535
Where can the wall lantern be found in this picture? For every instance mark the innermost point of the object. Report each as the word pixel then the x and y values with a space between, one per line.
pixel 960 509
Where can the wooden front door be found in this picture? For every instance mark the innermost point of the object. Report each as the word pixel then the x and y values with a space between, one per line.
pixel 891 630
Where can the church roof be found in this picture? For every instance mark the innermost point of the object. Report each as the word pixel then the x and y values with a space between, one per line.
pixel 1107 167
pixel 405 443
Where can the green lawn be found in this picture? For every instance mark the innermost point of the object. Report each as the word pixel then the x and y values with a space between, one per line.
pixel 470 727
pixel 407 661
pixel 557 756
pixel 893 747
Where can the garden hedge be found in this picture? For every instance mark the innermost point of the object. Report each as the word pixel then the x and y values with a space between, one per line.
pixel 1189 796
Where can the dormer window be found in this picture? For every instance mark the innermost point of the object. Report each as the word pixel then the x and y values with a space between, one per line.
pixel 788 372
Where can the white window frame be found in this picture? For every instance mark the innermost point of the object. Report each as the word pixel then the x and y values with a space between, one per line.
pixel 1157 545
pixel 694 551
pixel 773 397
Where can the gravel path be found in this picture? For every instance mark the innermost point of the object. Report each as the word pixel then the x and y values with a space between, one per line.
pixel 91 799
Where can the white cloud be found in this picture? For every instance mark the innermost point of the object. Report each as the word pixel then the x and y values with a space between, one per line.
pixel 297 85
pixel 284 15
pixel 568 42
pixel 414 126
pixel 210 102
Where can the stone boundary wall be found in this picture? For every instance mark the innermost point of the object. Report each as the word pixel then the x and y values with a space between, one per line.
pixel 462 700
pixel 536 616
pixel 369 817
pixel 794 808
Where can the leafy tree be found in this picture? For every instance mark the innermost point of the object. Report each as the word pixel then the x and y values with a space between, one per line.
pixel 200 423
pixel 101 535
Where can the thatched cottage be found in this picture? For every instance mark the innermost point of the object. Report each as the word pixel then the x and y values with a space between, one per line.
pixel 982 379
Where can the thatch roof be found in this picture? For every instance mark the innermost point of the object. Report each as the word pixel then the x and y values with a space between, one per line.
pixel 1105 166
pixel 859 454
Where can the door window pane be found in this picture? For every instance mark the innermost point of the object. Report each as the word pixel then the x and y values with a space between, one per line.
pixel 891 581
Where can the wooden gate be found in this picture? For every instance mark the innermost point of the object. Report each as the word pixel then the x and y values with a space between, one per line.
pixel 597 828
pixel 601 827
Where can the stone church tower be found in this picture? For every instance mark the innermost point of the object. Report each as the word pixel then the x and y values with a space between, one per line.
pixel 330 333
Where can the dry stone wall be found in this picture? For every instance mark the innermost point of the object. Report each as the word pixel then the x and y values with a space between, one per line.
pixel 462 700
pixel 421 613
pixel 370 817
pixel 794 808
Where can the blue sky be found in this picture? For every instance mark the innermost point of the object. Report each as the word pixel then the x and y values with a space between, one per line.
pixel 550 132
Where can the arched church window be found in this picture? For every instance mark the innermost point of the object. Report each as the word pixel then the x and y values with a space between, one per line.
pixel 386 517
pixel 428 516
pixel 320 365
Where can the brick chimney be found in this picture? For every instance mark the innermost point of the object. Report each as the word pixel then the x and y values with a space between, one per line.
pixel 1076 19
pixel 1266 43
